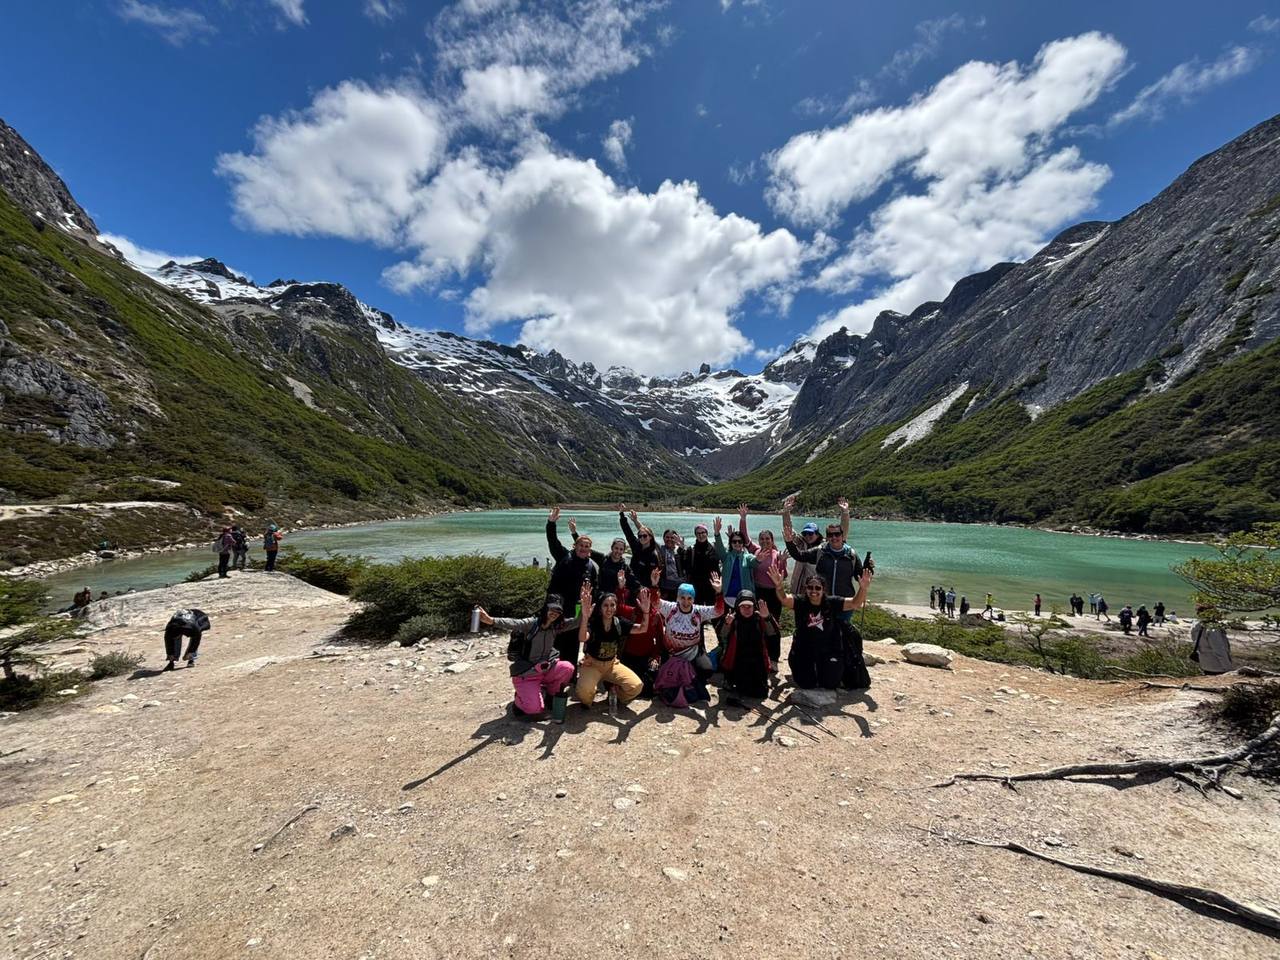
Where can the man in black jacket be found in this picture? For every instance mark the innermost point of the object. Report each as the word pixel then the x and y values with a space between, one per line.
pixel 571 566
pixel 836 563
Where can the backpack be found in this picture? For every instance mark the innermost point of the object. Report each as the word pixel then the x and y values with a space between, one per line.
pixel 855 675
pixel 201 620
pixel 518 645
pixel 217 545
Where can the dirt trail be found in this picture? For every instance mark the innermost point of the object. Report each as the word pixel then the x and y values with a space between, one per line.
pixel 128 826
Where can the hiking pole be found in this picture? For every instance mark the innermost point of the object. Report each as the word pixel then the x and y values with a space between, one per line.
pixel 768 715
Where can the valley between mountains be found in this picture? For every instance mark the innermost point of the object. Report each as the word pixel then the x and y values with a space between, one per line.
pixel 1126 377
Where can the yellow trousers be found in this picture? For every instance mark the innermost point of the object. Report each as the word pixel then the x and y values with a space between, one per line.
pixel 591 671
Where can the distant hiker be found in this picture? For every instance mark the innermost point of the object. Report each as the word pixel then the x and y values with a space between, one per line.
pixel 537 672
pixel 990 607
pixel 1037 604
pixel 738 566
pixel 820 655
pixel 1143 616
pixel 1093 604
pixel 79 603
pixel 535 563
pixel 271 543
pixel 746 637
pixel 700 562
pixel 572 567
pixel 1077 603
pixel 767 556
pixel 240 550
pixel 222 546
pixel 644 549
pixel 683 675
pixel 1101 608
pixel 964 606
pixel 834 563
pixel 933 597
pixel 1126 618
pixel 1159 612
pixel 185 623
pixel 602 634
pixel 1212 649
pixel 951 602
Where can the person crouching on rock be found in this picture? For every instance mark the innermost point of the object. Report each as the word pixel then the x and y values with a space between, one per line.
pixel 602 634
pixel 537 672
pixel 817 649
pixel 184 623
pixel 746 636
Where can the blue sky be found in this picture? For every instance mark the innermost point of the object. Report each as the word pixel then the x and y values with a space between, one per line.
pixel 647 184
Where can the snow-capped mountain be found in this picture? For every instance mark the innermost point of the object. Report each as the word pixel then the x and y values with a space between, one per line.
pixel 696 416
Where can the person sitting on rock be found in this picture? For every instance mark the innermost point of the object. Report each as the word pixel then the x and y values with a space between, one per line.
pixel 602 634
pixel 79 602
pixel 746 637
pixel 817 656
pixel 537 672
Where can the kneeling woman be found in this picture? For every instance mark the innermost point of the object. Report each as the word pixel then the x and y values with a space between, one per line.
pixel 602 634
pixel 817 657
pixel 747 636
pixel 537 672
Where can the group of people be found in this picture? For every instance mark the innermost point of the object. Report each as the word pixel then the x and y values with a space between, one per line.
pixel 232 547
pixel 944 601
pixel 633 620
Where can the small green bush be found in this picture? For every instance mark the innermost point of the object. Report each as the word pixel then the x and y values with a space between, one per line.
pixel 421 626
pixel 443 588
pixel 335 572
pixel 1164 659
pixel 116 663
pixel 23 692
pixel 1249 707
pixel 197 575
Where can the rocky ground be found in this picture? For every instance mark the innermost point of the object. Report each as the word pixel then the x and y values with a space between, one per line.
pixel 142 818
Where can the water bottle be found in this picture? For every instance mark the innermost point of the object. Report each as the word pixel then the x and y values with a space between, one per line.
pixel 475 619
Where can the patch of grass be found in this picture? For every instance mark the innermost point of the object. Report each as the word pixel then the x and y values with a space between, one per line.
pixel 115 663
pixel 1266 208
pixel 1233 282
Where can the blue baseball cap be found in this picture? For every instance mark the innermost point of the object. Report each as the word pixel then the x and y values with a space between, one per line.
pixel 809 528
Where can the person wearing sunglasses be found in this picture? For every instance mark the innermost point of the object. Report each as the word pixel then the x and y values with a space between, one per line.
pixel 572 567
pixel 834 562
pixel 644 548
pixel 818 647
pixel 737 565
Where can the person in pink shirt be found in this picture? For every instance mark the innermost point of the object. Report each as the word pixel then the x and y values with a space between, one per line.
pixel 768 558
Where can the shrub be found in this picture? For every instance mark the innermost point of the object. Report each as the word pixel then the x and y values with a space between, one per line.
pixel 444 588
pixel 335 572
pixel 419 627
pixel 1167 659
pixel 1249 707
pixel 116 663
pixel 197 575
pixel 20 609
pixel 23 692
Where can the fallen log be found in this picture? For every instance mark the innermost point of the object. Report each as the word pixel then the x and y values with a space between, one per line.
pixel 1123 768
pixel 1254 913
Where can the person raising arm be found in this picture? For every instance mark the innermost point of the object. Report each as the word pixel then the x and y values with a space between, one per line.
pixel 602 634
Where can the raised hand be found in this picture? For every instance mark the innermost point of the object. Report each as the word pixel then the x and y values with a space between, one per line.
pixel 622 579
pixel 553 514
pixel 573 528
pixel 742 512
pixel 843 504
pixel 789 504
pixel 634 519
pixel 719 524
pixel 655 576
pixel 622 508
pixel 584 598
pixel 715 580
pixel 644 598
pixel 775 574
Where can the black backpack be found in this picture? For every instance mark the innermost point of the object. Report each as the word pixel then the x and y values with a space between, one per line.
pixel 855 675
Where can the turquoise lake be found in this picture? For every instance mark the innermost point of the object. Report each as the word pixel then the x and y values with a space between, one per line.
pixel 1011 562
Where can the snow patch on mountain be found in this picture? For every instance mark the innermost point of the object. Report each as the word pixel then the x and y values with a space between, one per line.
pixel 920 426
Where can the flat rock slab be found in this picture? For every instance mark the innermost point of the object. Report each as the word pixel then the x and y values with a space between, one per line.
pixel 928 655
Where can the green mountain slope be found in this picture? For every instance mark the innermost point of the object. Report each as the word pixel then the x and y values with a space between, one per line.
pixel 109 382
pixel 1201 454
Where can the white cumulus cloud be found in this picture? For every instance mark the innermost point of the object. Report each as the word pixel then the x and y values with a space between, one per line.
pixel 349 165
pixel 616 142
pixel 987 183
pixel 599 272
pixel 1184 82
